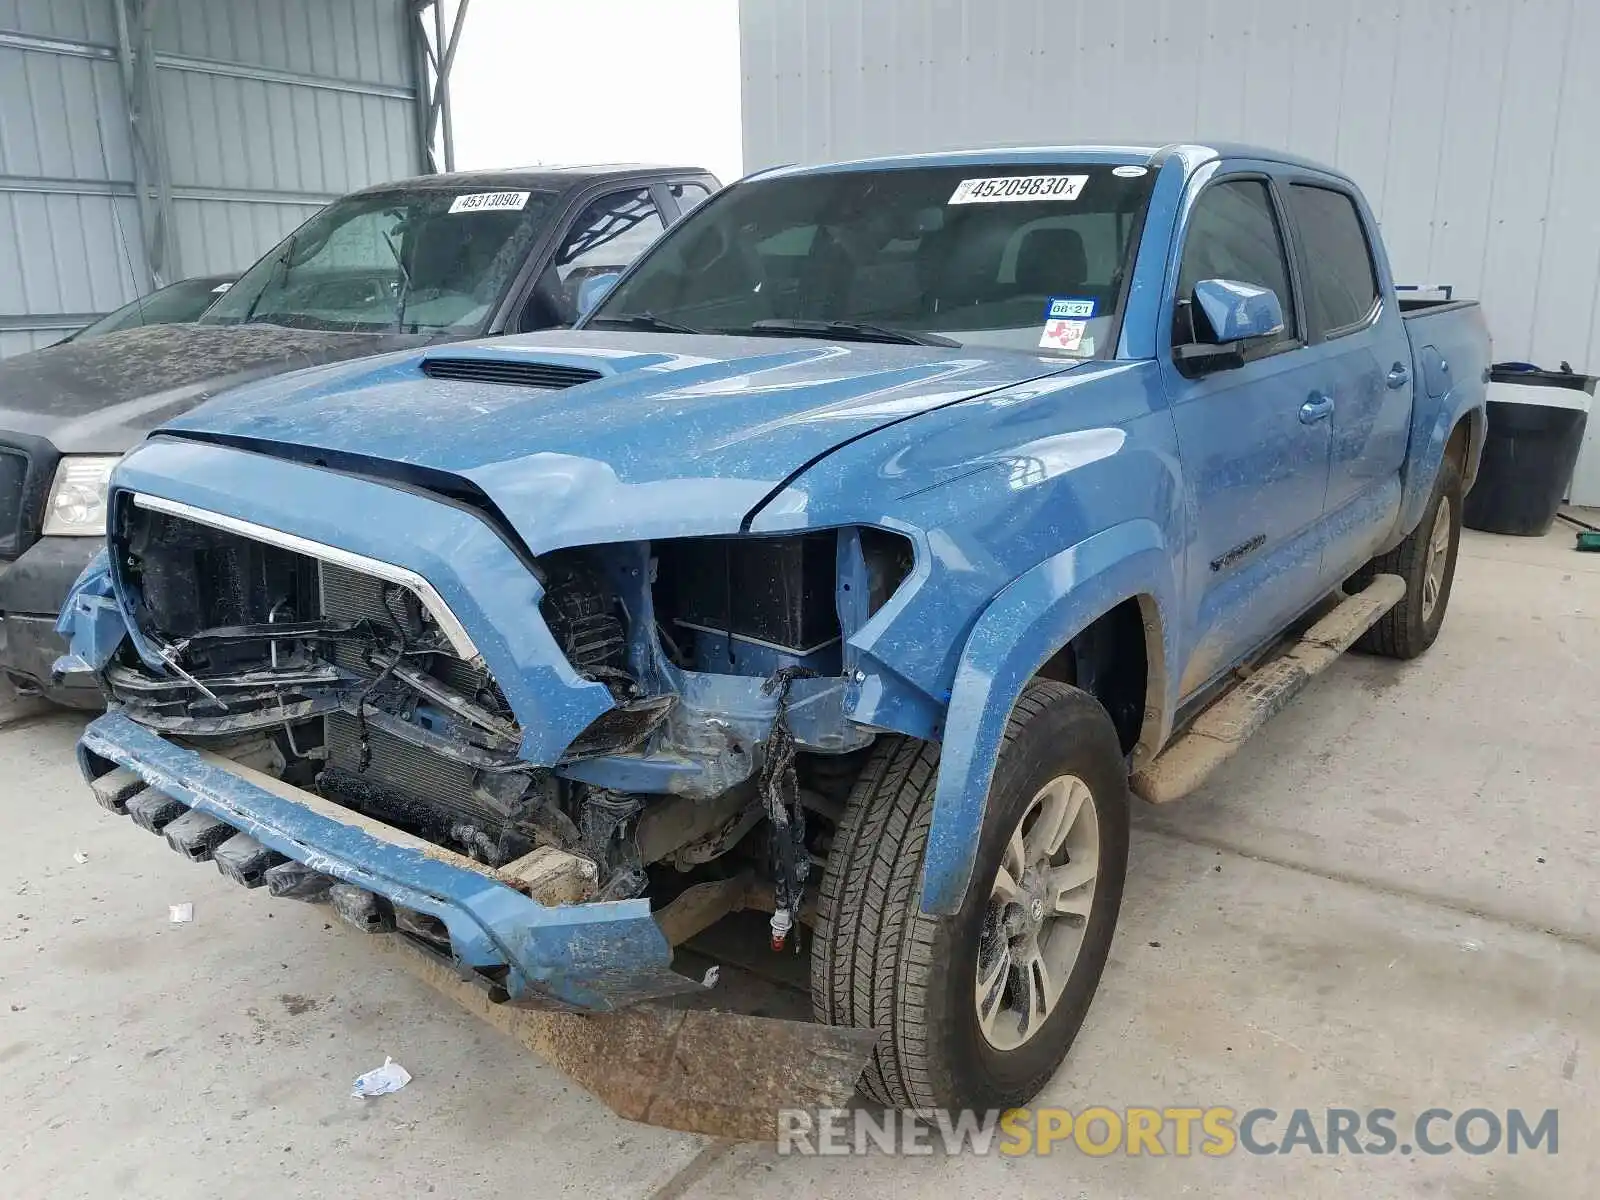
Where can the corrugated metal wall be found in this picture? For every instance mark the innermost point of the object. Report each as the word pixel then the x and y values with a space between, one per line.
pixel 270 108
pixel 1471 124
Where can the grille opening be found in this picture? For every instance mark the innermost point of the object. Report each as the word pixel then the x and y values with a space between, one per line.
pixel 193 579
pixel 13 481
pixel 497 370
pixel 190 577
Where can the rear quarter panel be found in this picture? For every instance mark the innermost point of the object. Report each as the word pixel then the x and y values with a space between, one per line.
pixel 1450 356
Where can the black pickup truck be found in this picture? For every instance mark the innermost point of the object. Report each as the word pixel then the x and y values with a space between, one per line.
pixel 440 258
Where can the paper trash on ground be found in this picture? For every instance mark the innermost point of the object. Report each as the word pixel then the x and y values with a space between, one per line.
pixel 180 914
pixel 390 1077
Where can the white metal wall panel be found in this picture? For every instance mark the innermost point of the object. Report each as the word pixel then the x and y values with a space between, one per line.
pixel 338 119
pixel 230 232
pixel 14 341
pixel 270 108
pixel 361 40
pixel 73 20
pixel 265 137
pixel 1470 124
pixel 63 151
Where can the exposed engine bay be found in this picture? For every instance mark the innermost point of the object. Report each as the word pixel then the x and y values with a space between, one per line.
pixel 724 659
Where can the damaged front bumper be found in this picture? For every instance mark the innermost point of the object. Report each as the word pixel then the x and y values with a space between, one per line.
pixel 589 987
pixel 594 957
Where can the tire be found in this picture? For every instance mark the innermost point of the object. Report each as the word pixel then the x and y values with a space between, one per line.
pixel 879 962
pixel 1411 626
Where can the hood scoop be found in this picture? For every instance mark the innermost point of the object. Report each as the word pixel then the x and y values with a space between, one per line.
pixel 548 375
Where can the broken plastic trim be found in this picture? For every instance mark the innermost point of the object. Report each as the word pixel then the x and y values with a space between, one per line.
pixel 598 956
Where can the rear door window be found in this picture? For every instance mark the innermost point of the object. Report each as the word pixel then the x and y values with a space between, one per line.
pixel 1341 286
pixel 608 235
pixel 688 194
pixel 603 239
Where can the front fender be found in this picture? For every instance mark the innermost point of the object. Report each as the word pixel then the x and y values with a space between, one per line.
pixel 1027 623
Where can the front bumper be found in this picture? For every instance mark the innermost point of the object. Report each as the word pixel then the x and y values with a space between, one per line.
pixel 595 957
pixel 32 591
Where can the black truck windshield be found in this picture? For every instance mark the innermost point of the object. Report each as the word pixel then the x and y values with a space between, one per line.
pixel 1028 258
pixel 423 260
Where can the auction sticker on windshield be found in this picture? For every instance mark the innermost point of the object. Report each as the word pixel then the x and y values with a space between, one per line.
pixel 490 202
pixel 1063 335
pixel 1011 188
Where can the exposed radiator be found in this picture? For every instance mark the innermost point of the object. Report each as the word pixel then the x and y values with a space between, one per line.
pixel 351 596
pixel 408 785
pixel 396 765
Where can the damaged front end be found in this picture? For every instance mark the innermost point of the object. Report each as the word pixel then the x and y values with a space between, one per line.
pixel 322 723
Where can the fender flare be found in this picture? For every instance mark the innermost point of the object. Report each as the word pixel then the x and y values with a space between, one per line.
pixel 1027 623
pixel 1425 469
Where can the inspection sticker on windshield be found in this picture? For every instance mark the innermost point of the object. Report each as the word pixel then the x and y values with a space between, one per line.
pixel 1062 308
pixel 1063 335
pixel 490 202
pixel 1011 188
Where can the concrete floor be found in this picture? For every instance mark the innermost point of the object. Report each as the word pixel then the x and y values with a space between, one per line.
pixel 1389 898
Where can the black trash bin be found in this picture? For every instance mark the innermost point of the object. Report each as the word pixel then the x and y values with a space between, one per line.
pixel 1536 424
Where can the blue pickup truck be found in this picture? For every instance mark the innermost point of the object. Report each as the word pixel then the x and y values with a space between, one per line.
pixel 867 542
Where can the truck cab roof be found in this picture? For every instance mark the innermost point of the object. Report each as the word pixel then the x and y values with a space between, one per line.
pixel 558 179
pixel 1150 154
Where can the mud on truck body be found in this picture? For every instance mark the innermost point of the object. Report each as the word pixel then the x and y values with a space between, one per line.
pixel 845 561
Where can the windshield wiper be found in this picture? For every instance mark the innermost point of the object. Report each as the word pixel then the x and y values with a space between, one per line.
pixel 860 331
pixel 645 320
pixel 405 284
pixel 281 263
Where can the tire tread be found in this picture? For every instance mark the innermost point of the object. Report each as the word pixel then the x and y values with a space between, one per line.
pixel 1399 633
pixel 873 960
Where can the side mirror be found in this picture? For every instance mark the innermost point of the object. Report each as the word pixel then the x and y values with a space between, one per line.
pixel 1235 312
pixel 593 290
pixel 1225 314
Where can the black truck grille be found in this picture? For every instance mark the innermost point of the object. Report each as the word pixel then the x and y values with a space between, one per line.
pixel 13 490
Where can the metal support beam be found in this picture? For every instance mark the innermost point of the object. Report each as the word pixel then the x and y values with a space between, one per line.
pixel 168 252
pixel 46 322
pixel 141 130
pixel 53 186
pixel 436 35
pixel 13 40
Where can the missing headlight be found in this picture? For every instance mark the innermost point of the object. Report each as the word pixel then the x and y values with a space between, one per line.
pixel 748 605
pixel 734 602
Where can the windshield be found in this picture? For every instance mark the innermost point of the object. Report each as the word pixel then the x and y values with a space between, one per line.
pixel 1020 257
pixel 422 261
pixel 175 304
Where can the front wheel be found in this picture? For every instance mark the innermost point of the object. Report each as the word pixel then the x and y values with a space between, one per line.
pixel 1426 560
pixel 978 1009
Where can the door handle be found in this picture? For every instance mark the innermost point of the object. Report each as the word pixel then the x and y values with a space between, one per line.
pixel 1398 376
pixel 1318 408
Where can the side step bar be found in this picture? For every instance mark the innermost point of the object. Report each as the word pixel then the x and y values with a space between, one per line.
pixel 1218 732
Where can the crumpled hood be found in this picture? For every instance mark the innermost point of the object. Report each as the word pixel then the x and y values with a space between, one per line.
pixel 678 434
pixel 103 395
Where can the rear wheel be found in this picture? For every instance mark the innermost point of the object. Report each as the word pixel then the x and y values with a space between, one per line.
pixel 978 1009
pixel 1426 560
